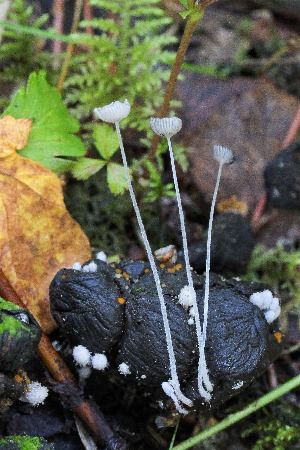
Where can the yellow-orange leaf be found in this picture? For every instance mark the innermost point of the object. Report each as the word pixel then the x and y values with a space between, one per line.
pixel 37 234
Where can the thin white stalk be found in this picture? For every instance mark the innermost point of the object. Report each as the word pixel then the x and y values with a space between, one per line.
pixel 207 272
pixel 202 361
pixel 174 376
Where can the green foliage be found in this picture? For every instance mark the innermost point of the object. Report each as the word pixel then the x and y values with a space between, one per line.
pixel 279 430
pixel 52 135
pixel 25 443
pixel 157 188
pixel 125 61
pixel 106 142
pixel 277 267
pixel 20 54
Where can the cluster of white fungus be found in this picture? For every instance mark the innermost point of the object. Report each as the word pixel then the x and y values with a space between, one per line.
pixel 83 357
pixel 267 303
pixel 90 267
pixel 36 393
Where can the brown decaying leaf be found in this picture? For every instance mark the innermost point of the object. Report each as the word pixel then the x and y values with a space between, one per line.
pixel 251 121
pixel 37 234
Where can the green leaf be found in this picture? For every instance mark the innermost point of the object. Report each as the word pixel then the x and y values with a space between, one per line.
pixel 53 128
pixel 85 167
pixel 184 14
pixel 106 140
pixel 184 3
pixel 116 179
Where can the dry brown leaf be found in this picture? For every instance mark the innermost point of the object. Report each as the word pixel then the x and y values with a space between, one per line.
pixel 37 234
pixel 252 122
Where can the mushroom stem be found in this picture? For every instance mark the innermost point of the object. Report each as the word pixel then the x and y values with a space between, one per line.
pixel 223 155
pixel 202 361
pixel 174 377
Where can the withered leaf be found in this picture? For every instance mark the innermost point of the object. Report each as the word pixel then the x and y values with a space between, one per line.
pixel 37 234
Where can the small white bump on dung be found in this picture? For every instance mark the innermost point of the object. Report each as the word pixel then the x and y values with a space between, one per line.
pixel 99 361
pixel 76 266
pixel 91 267
pixel 185 297
pixel 114 112
pixel 81 355
pixel 265 301
pixel 222 154
pixel 167 127
pixel 36 393
pixel 124 369
pixel 101 256
pixel 262 299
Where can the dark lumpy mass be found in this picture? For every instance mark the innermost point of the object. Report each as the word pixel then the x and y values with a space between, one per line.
pixel 19 338
pixel 282 178
pixel 85 306
pixel 240 343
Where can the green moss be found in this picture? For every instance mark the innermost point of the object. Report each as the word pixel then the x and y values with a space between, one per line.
pixel 26 442
pixel 8 322
pixel 9 305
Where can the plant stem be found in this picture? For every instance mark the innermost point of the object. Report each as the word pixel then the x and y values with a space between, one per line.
pixel 192 21
pixel 58 23
pixel 88 15
pixel 71 393
pixel 70 46
pixel 236 417
pixel 185 40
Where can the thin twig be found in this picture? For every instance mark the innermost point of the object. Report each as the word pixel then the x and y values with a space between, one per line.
pixel 188 32
pixel 292 131
pixel 86 410
pixel 58 23
pixel 88 15
pixel 262 201
pixel 70 46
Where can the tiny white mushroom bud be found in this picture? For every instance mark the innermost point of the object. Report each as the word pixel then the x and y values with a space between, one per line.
pixel 99 361
pixel 114 112
pixel 76 266
pixel 124 369
pixel 81 355
pixel 36 393
pixel 222 154
pixel 167 127
pixel 186 297
pixel 101 256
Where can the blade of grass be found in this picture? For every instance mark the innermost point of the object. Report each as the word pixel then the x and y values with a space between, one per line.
pixel 236 417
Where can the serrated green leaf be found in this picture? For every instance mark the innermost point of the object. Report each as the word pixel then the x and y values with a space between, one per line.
pixel 184 3
pixel 106 140
pixel 116 179
pixel 52 128
pixel 85 167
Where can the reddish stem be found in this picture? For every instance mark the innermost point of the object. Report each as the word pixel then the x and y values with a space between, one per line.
pixel 58 23
pixel 292 131
pixel 86 410
pixel 88 15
